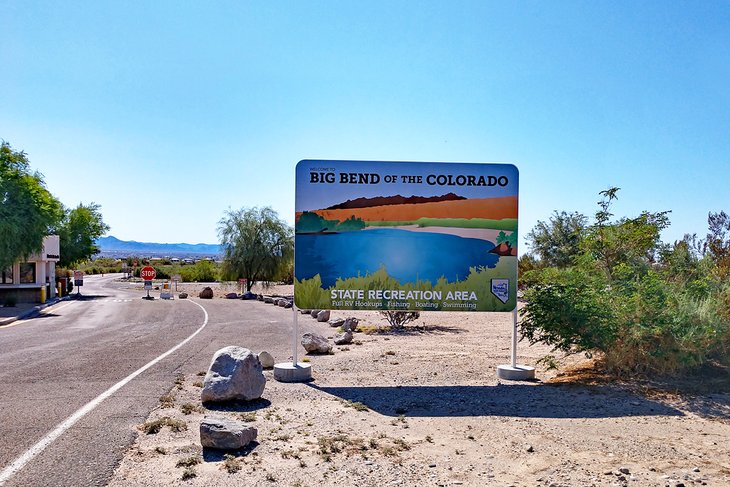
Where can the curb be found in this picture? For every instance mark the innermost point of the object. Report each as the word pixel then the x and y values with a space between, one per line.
pixel 32 311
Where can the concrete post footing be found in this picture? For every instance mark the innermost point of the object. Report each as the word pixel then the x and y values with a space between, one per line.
pixel 290 372
pixel 518 372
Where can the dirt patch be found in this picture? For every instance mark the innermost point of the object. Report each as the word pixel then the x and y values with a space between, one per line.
pixel 425 408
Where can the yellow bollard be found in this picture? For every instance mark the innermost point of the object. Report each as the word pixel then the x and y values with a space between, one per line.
pixel 43 294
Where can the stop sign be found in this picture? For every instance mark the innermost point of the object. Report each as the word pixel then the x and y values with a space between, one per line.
pixel 147 273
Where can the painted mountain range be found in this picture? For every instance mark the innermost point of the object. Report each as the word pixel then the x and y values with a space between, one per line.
pixel 393 200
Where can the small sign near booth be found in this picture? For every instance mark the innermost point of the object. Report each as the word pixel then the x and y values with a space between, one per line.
pixel 78 278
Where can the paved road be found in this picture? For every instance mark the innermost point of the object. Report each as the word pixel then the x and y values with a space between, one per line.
pixel 52 365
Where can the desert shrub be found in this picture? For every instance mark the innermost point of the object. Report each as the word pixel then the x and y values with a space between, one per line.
pixel 399 319
pixel 646 307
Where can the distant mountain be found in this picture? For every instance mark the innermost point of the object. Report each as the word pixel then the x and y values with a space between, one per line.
pixel 112 245
pixel 393 200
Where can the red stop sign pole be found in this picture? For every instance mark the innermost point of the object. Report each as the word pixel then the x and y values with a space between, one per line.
pixel 147 273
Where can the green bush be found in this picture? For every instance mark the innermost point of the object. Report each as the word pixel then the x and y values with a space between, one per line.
pixel 641 313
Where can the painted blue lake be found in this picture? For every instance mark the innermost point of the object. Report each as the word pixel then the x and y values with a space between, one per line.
pixel 406 255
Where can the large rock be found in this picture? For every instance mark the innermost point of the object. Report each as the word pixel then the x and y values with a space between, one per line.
pixel 235 374
pixel 266 359
pixel 206 293
pixel 314 312
pixel 314 343
pixel 323 315
pixel 343 338
pixel 225 434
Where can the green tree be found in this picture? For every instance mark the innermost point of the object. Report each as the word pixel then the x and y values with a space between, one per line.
pixel 717 243
pixel 257 244
pixel 631 243
pixel 556 242
pixel 78 232
pixel 28 211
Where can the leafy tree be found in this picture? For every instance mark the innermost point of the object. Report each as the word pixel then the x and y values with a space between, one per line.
pixel 717 244
pixel 256 243
pixel 556 241
pixel 78 232
pixel 28 211
pixel 629 242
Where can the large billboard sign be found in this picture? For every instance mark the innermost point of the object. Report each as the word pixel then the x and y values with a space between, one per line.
pixel 410 236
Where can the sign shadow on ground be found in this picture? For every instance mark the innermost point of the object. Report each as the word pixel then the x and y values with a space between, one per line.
pixel 522 401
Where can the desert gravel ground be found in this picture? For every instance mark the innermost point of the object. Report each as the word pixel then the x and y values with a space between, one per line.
pixel 426 408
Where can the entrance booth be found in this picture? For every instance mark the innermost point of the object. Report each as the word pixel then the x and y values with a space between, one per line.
pixel 33 280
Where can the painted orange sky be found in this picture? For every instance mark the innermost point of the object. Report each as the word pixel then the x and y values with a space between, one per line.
pixel 492 208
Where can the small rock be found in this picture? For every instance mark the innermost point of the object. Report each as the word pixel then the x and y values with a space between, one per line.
pixel 350 324
pixel 231 296
pixel 343 338
pixel 183 295
pixel 432 465
pixel 288 304
pixel 696 469
pixel 305 311
pixel 624 470
pixel 315 343
pixel 268 300
pixel 314 312
pixel 323 315
pixel 225 434
pixel 529 449
pixel 266 359
pixel 336 323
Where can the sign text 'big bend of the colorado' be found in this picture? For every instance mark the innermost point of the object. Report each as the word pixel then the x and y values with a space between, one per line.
pixel 406 236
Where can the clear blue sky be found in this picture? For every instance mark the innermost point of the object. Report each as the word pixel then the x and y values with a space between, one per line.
pixel 169 113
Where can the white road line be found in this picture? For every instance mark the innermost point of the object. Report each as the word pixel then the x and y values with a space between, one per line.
pixel 26 457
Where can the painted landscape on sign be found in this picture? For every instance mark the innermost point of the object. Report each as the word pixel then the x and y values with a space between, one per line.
pixel 416 252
